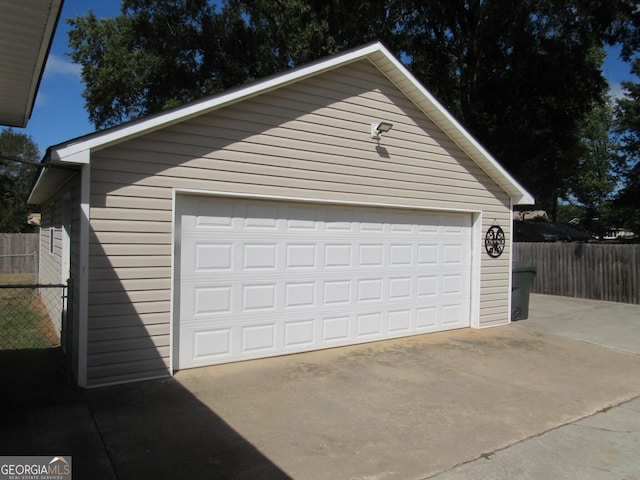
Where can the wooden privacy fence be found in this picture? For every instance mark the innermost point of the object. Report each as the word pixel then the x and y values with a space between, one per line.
pixel 18 253
pixel 584 270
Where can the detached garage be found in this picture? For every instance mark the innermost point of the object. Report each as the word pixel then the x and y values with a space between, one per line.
pixel 334 204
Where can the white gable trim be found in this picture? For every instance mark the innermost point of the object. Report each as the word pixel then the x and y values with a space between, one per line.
pixel 75 151
pixel 109 137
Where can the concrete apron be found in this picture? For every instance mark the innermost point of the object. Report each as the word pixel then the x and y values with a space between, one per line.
pixel 407 408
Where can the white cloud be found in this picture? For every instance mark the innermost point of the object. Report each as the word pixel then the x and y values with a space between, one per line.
pixel 59 65
pixel 41 99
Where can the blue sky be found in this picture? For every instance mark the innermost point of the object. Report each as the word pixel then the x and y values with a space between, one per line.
pixel 59 113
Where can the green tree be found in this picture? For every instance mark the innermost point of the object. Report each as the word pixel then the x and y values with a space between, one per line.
pixel 521 76
pixel 159 54
pixel 593 182
pixel 627 200
pixel 16 180
pixel 300 31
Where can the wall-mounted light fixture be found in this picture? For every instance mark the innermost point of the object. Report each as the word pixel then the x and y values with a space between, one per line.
pixel 378 128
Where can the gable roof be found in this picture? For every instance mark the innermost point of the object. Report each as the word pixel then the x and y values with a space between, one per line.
pixel 26 33
pixel 78 151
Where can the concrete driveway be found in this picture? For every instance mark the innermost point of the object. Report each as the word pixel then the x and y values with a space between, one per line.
pixel 403 409
pixel 554 396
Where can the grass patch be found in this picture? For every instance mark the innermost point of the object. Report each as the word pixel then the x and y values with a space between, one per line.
pixel 24 322
pixel 16 278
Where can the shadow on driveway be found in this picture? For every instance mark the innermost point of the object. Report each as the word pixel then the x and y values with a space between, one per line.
pixel 148 430
pixel 157 429
pixel 41 414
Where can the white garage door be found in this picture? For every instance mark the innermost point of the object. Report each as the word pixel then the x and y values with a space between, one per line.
pixel 261 278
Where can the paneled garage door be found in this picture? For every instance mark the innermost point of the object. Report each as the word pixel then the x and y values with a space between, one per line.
pixel 261 278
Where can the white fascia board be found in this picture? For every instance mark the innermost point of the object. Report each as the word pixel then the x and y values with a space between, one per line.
pixel 431 107
pixel 113 136
pixel 32 195
pixel 77 157
pixel 53 15
pixel 54 173
pixel 50 181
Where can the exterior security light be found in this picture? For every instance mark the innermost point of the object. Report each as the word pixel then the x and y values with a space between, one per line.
pixel 379 128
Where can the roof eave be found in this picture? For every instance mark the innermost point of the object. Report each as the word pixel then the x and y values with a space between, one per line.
pixel 17 110
pixel 51 179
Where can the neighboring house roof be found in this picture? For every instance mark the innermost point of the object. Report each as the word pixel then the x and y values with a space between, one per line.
pixel 26 32
pixel 547 232
pixel 78 151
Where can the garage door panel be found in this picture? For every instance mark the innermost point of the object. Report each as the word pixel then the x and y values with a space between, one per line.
pixel 428 254
pixel 258 338
pixel 400 322
pixel 400 288
pixel 259 256
pixel 453 284
pixel 369 290
pixel 299 333
pixel 369 325
pixel 452 315
pixel 208 301
pixel 371 255
pixel 426 318
pixel 211 344
pixel 212 257
pixel 299 295
pixel 335 329
pixel 428 286
pixel 261 278
pixel 337 292
pixel 301 256
pixel 337 255
pixel 453 254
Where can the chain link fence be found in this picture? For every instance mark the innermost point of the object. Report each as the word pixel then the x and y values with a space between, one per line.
pixel 31 315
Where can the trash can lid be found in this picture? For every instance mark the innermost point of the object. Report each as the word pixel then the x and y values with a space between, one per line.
pixel 523 267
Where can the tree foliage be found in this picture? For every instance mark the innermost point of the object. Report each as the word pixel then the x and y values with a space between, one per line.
pixel 523 77
pixel 593 182
pixel 628 126
pixel 160 54
pixel 300 31
pixel 16 179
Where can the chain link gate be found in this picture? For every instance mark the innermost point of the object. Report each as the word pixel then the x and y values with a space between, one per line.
pixel 32 316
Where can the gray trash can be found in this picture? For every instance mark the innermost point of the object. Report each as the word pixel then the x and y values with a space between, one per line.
pixel 523 276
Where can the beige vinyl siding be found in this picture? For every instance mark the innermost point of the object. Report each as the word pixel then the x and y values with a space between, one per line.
pixel 50 267
pixel 51 263
pixel 307 140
